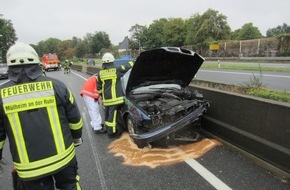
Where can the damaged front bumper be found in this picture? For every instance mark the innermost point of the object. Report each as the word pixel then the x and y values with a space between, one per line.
pixel 145 139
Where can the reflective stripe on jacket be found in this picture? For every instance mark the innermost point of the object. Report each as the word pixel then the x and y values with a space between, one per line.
pixel 41 120
pixel 90 88
pixel 109 83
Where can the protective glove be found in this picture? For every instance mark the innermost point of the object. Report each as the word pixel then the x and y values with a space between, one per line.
pixel 78 142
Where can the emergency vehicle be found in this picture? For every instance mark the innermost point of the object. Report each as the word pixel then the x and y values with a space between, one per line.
pixel 50 61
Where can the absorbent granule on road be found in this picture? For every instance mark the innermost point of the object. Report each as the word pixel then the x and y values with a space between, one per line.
pixel 153 157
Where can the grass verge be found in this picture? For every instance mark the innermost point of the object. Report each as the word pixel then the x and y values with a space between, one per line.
pixel 281 96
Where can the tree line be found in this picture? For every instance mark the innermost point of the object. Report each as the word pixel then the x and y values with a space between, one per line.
pixel 200 29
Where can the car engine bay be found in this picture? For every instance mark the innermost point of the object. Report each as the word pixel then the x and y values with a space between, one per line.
pixel 167 105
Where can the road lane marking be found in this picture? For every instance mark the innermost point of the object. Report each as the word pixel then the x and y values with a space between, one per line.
pixel 239 73
pixel 96 157
pixel 4 82
pixel 79 75
pixel 207 175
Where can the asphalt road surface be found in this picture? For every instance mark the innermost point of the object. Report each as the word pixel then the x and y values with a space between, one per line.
pixel 279 81
pixel 117 164
pixel 272 80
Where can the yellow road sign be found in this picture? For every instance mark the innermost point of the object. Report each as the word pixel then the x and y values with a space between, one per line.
pixel 214 47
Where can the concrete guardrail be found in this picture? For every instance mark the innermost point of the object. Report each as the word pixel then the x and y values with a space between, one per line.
pixel 258 126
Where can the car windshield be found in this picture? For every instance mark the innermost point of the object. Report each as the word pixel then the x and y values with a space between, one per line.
pixel 124 80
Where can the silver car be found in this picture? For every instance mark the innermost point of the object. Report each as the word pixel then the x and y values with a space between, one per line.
pixel 3 71
pixel 159 105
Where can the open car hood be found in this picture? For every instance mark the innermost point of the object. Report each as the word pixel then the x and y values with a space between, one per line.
pixel 166 64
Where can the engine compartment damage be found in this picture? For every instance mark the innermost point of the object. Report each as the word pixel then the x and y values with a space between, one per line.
pixel 167 107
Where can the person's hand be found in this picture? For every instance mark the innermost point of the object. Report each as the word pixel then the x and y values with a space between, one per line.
pixel 100 100
pixel 78 142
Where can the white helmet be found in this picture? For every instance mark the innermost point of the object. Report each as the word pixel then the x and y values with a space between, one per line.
pixel 21 54
pixel 108 58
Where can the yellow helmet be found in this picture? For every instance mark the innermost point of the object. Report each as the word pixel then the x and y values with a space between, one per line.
pixel 21 54
pixel 108 58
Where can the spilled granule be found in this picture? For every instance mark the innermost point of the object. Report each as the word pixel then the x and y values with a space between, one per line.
pixel 154 157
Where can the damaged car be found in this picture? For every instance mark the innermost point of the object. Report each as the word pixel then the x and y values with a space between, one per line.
pixel 159 104
pixel 3 71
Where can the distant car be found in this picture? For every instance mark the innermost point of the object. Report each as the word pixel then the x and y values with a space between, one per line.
pixel 159 105
pixel 91 62
pixel 125 60
pixel 3 71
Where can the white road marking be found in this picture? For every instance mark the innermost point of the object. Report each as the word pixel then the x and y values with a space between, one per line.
pixel 4 82
pixel 96 157
pixel 207 175
pixel 79 75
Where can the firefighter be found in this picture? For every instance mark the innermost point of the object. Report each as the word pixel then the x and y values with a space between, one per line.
pixel 43 71
pixel 66 67
pixel 91 98
pixel 69 66
pixel 109 87
pixel 41 119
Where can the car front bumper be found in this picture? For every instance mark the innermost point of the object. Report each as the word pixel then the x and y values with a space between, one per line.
pixel 144 139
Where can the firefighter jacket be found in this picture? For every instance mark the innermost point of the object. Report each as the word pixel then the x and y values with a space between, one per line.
pixel 109 84
pixel 66 65
pixel 41 119
pixel 90 88
pixel 130 64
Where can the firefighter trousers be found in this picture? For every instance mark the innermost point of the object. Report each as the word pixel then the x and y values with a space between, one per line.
pixel 111 118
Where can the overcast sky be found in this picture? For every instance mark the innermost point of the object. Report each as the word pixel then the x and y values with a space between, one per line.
pixel 36 20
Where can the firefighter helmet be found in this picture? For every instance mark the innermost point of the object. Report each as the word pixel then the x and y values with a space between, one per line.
pixel 108 58
pixel 21 54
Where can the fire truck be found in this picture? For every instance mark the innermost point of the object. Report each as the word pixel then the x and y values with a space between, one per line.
pixel 50 61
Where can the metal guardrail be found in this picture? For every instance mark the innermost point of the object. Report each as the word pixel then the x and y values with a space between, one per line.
pixel 266 58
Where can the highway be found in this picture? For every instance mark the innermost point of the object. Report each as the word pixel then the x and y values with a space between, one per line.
pixel 278 81
pixel 117 164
